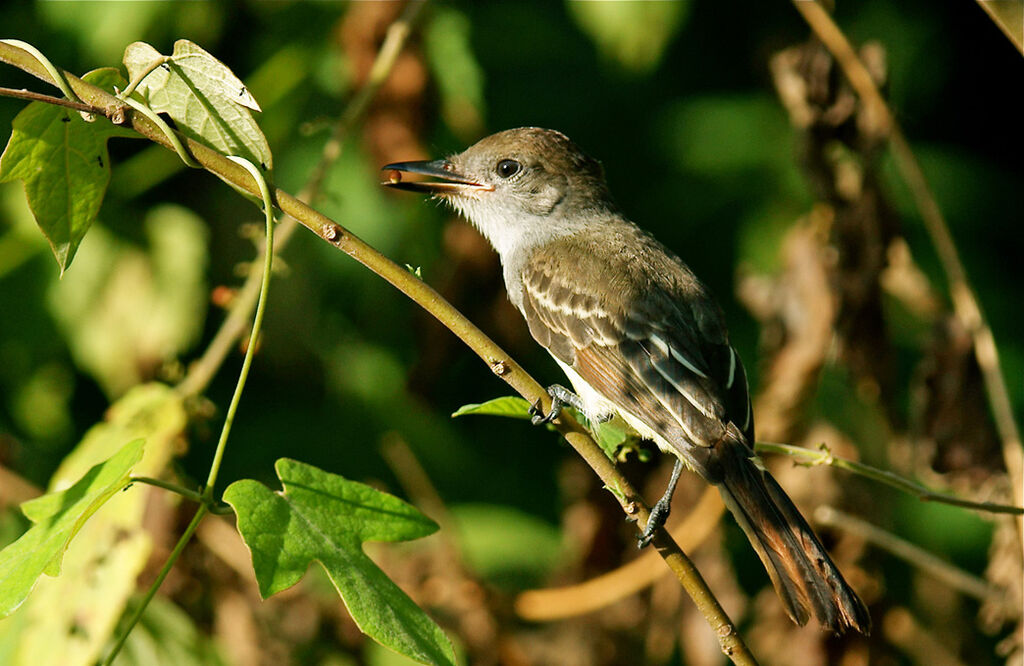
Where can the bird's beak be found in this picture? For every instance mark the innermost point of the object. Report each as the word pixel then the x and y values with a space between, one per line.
pixel 451 182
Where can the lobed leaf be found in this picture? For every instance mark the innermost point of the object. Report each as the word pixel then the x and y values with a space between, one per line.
pixel 325 518
pixel 64 164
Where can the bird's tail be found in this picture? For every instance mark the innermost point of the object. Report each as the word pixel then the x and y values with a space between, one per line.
pixel 803 574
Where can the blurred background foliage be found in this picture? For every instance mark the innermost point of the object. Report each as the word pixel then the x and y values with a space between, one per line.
pixel 677 100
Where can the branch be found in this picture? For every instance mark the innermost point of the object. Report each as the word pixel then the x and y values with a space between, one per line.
pixel 823 456
pixel 965 303
pixel 48 99
pixel 558 603
pixel 500 362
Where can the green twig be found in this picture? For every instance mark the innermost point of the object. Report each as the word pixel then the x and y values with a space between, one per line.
pixel 268 262
pixel 56 76
pixel 166 129
pixel 187 493
pixel 205 499
pixel 151 592
pixel 126 93
pixel 823 456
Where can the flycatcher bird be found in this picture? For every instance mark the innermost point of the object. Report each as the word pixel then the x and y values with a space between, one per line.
pixel 639 337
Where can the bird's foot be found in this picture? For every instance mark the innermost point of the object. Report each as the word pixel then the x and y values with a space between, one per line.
pixel 659 513
pixel 560 397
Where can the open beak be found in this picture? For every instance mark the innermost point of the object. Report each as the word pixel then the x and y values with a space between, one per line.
pixel 450 181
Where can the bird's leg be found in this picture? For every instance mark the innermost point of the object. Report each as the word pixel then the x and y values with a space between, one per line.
pixel 660 511
pixel 560 397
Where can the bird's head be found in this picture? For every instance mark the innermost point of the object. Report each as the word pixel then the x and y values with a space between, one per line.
pixel 518 186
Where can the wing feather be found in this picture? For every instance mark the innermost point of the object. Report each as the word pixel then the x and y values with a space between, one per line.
pixel 655 348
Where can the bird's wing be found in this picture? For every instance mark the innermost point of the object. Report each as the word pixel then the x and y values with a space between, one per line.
pixel 643 333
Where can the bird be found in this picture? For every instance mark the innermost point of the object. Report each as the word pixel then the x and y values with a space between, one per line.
pixel 638 335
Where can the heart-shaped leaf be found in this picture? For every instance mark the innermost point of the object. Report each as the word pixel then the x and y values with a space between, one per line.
pixel 64 163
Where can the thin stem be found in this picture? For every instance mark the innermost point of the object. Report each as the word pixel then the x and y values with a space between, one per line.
pixel 49 99
pixel 166 129
pixel 187 493
pixel 126 93
pixel 56 76
pixel 250 351
pixel 205 498
pixel 497 359
pixel 965 303
pixel 823 456
pixel 151 592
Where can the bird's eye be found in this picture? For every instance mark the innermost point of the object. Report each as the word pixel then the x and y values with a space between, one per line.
pixel 508 168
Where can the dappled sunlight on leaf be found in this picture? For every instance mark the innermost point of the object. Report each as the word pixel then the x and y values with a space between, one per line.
pixel 70 618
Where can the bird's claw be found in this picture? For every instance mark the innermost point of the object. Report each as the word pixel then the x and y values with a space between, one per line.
pixel 537 416
pixel 657 518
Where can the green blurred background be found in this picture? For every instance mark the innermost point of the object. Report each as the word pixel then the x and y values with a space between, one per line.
pixel 676 100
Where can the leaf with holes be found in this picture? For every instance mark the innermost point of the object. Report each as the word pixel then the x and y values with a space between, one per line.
pixel 64 163
pixel 325 518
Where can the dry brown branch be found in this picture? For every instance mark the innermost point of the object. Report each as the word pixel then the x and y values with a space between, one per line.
pixel 1008 15
pixel 955 578
pixel 965 303
pixel 561 602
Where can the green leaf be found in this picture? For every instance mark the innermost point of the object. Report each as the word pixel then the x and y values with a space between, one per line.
pixel 511 406
pixel 610 436
pixel 64 163
pixel 325 518
pixel 205 99
pixel 58 517
pixel 68 620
